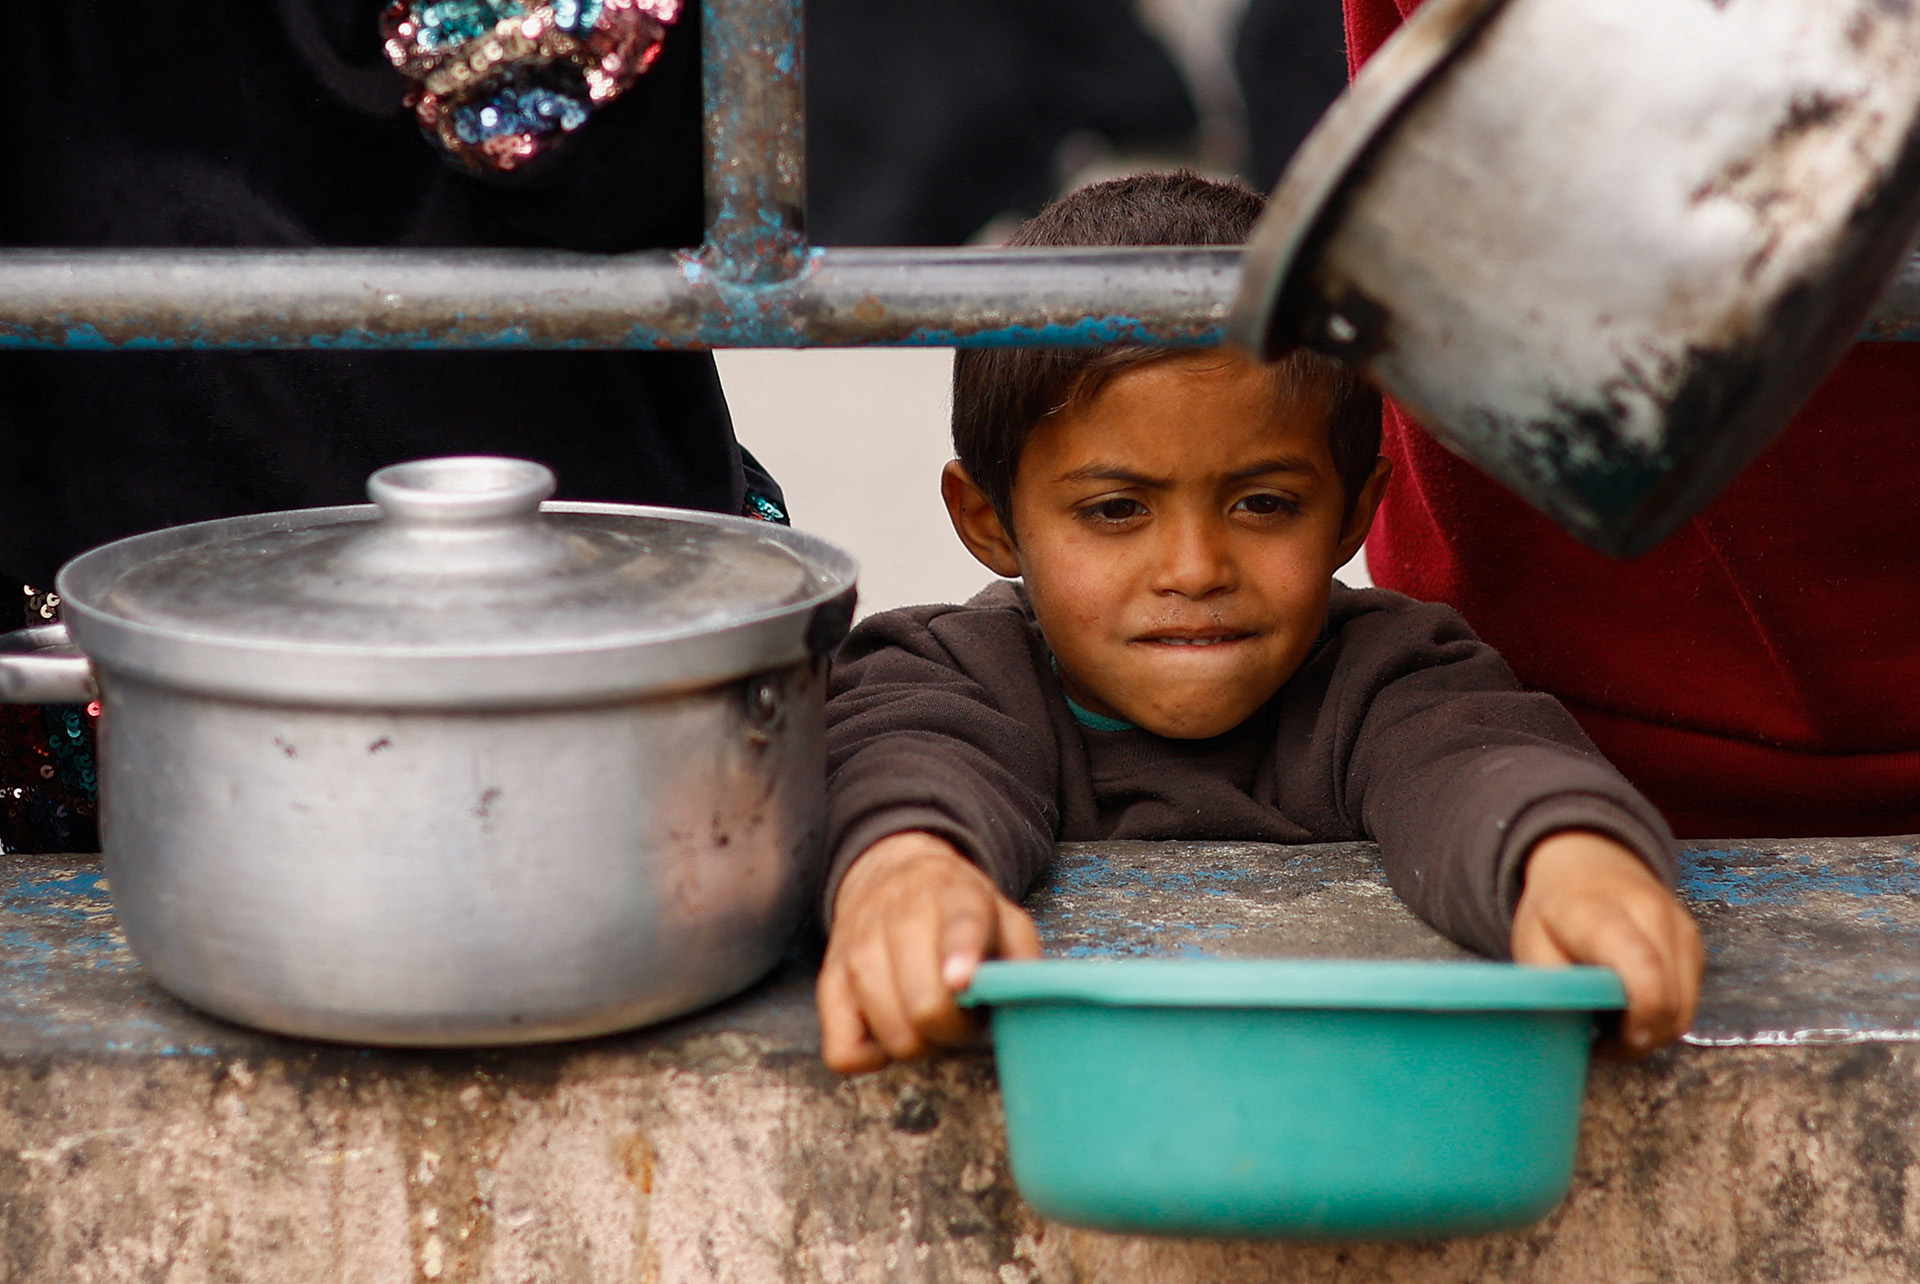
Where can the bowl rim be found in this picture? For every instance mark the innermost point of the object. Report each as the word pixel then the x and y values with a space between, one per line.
pixel 1300 984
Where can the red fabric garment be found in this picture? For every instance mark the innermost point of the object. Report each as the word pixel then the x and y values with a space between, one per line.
pixel 1758 674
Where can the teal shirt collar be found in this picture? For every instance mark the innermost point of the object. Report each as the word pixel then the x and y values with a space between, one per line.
pixel 1086 717
pixel 1096 721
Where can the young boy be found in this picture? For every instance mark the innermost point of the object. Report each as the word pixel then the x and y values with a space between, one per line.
pixel 1177 662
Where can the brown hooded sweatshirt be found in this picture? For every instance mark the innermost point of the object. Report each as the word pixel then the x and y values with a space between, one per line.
pixel 1401 727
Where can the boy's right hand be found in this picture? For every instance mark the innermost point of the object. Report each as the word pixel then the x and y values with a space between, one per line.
pixel 1589 899
pixel 912 920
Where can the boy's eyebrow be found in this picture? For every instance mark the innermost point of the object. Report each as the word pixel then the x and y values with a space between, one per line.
pixel 1278 464
pixel 1111 472
pixel 1120 473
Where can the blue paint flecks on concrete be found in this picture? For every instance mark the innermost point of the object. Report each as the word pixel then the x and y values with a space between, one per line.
pixel 76 896
pixel 1124 940
pixel 67 976
pixel 1749 877
pixel 1092 873
pixel 1810 940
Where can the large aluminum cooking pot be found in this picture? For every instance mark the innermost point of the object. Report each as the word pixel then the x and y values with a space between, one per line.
pixel 1602 248
pixel 459 768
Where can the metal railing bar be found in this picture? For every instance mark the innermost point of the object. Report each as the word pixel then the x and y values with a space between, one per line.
pixel 752 83
pixel 755 283
pixel 664 300
pixel 265 299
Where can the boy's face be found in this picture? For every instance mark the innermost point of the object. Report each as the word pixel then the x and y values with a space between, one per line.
pixel 1177 535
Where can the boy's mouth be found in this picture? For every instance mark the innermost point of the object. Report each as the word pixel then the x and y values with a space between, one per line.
pixel 1196 637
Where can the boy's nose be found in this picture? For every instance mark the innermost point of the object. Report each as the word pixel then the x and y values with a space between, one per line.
pixel 1194 561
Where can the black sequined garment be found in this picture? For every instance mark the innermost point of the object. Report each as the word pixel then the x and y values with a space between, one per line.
pixel 281 124
pixel 48 781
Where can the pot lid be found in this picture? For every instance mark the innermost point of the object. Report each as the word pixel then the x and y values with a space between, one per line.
pixel 459 588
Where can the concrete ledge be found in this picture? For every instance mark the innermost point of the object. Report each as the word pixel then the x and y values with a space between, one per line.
pixel 140 1141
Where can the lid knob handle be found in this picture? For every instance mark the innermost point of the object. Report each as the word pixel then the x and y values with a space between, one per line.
pixel 463 490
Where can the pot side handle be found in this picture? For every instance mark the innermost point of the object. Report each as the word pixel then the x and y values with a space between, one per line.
pixel 40 666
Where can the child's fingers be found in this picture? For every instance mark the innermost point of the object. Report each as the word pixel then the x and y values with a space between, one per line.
pixel 1653 1000
pixel 1689 962
pixel 910 930
pixel 966 938
pixel 845 1043
pixel 1533 943
pixel 1011 935
pixel 877 992
pixel 958 927
pixel 1587 899
pixel 1644 954
pixel 1018 938
pixel 1665 1017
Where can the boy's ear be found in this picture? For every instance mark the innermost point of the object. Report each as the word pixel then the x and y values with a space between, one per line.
pixel 1365 505
pixel 975 522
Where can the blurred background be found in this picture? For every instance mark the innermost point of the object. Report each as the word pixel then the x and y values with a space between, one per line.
pixel 932 122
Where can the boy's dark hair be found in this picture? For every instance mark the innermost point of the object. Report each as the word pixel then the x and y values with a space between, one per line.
pixel 999 394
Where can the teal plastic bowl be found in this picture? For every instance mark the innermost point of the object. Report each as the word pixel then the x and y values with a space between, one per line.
pixel 1313 1099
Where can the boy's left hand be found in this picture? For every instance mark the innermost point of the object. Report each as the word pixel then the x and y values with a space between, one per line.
pixel 1588 899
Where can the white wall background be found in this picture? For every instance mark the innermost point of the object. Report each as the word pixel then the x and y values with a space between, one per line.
pixel 857 438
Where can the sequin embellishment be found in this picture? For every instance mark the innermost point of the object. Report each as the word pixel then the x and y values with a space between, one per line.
pixel 48 779
pixel 762 508
pixel 499 82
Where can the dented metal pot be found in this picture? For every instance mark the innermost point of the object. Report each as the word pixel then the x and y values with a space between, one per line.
pixel 460 768
pixel 1602 248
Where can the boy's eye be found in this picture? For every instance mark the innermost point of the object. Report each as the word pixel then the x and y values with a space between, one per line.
pixel 1269 505
pixel 1114 510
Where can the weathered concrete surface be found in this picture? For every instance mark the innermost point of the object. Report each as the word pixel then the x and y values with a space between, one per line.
pixel 141 1141
pixel 1811 941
